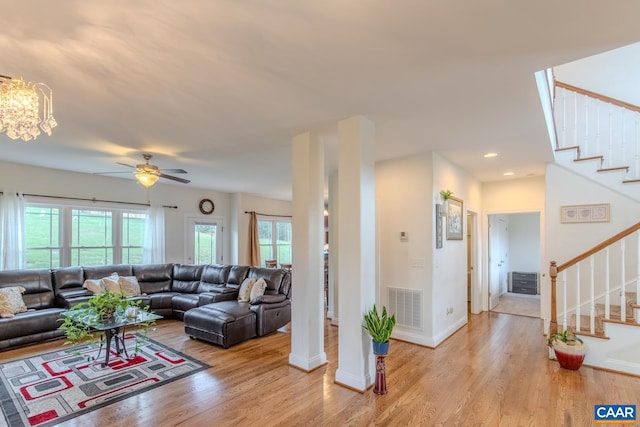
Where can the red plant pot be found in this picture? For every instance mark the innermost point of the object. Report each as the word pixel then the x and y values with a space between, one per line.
pixel 569 359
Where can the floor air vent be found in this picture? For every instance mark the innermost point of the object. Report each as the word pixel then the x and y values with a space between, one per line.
pixel 407 306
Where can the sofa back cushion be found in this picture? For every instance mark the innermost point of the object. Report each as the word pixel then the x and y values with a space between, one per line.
pixel 213 276
pixel 100 271
pixel 38 287
pixel 237 274
pixel 186 278
pixel 67 278
pixel 273 277
pixel 285 286
pixel 154 278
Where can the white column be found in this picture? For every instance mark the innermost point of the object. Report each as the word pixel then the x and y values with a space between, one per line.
pixel 356 287
pixel 333 303
pixel 307 276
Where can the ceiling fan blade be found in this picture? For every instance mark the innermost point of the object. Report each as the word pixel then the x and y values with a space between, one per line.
pixel 174 170
pixel 108 173
pixel 174 178
pixel 124 164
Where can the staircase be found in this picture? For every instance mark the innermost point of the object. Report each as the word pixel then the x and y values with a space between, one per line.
pixel 595 294
pixel 598 137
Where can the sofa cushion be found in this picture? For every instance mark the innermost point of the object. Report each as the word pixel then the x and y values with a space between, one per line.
pixel 237 274
pixel 30 323
pixel 244 292
pixel 216 274
pixel 100 271
pixel 37 283
pixel 11 302
pixel 129 286
pixel 68 278
pixel 257 291
pixel 186 278
pixel 154 278
pixel 272 276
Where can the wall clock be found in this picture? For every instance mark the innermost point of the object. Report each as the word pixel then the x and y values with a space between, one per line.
pixel 206 206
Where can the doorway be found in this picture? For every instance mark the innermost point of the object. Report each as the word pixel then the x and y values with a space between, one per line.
pixel 514 263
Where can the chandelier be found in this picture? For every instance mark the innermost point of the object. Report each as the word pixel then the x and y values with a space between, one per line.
pixel 20 108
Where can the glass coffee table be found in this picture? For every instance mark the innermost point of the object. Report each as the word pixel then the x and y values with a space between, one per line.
pixel 112 330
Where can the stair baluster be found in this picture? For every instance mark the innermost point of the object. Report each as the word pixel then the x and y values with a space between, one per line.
pixel 623 297
pixel 578 300
pixel 592 305
pixel 607 287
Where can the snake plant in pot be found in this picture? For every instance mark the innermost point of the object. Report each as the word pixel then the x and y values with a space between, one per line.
pixel 379 327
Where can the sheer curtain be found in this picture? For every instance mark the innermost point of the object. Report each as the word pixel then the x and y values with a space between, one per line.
pixel 154 236
pixel 254 241
pixel 12 243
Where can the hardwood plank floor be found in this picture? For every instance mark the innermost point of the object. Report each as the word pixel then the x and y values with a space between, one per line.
pixel 493 372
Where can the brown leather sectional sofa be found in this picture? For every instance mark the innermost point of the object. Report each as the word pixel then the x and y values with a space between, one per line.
pixel 170 290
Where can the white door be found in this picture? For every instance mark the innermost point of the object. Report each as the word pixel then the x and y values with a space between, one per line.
pixel 498 256
pixel 204 241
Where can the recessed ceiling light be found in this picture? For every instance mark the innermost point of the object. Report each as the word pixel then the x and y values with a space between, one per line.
pixel 509 173
pixel 490 155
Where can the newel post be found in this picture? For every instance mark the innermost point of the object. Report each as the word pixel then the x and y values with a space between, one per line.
pixel 553 273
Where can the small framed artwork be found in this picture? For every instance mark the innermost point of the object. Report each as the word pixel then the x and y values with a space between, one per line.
pixel 454 219
pixel 584 213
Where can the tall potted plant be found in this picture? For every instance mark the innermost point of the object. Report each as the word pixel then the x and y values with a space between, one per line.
pixel 568 348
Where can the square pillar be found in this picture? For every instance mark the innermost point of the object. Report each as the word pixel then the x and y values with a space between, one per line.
pixel 356 250
pixel 307 275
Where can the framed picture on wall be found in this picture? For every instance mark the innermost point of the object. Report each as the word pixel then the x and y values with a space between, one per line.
pixel 454 219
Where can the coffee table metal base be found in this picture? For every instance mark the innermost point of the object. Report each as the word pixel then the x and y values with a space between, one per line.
pixel 112 334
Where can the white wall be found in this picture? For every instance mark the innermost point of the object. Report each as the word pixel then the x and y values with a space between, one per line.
pixel 404 203
pixel 407 190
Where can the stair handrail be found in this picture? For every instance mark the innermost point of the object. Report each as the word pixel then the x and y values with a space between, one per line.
pixel 554 269
pixel 599 96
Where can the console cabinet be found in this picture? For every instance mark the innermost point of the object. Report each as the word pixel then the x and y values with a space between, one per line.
pixel 524 283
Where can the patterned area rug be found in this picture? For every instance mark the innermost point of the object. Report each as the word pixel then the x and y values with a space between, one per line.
pixel 53 387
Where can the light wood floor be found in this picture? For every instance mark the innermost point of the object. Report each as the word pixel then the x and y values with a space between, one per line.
pixel 492 372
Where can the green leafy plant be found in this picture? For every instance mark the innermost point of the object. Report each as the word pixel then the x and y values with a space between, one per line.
pixel 104 307
pixel 446 194
pixel 379 326
pixel 567 337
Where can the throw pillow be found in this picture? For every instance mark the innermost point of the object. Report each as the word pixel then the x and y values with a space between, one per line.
pixel 245 290
pixel 11 302
pixel 94 285
pixel 129 286
pixel 258 289
pixel 111 284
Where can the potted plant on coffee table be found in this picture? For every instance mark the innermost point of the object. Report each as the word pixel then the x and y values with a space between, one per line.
pixel 379 327
pixel 568 348
pixel 79 322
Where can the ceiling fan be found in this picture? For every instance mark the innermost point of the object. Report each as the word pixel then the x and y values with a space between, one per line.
pixel 148 174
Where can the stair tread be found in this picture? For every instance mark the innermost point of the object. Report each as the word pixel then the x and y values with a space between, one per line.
pixel 616 168
pixel 588 158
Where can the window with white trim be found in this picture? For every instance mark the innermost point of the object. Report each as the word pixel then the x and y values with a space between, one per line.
pixel 58 236
pixel 275 240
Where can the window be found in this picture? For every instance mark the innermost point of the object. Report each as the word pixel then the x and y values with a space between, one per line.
pixel 42 225
pixel 59 236
pixel 275 240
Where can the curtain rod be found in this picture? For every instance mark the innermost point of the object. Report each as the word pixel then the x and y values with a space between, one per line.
pixel 263 214
pixel 94 200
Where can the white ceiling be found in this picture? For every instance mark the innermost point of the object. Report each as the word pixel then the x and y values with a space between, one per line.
pixel 219 88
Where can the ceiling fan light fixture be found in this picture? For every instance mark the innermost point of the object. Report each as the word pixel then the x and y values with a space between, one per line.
pixel 146 178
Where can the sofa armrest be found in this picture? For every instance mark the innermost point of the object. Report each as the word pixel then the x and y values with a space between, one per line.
pixel 268 299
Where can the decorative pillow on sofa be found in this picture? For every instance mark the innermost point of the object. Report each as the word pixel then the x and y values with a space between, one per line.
pixel 258 289
pixel 94 285
pixel 11 302
pixel 245 290
pixel 111 283
pixel 129 286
